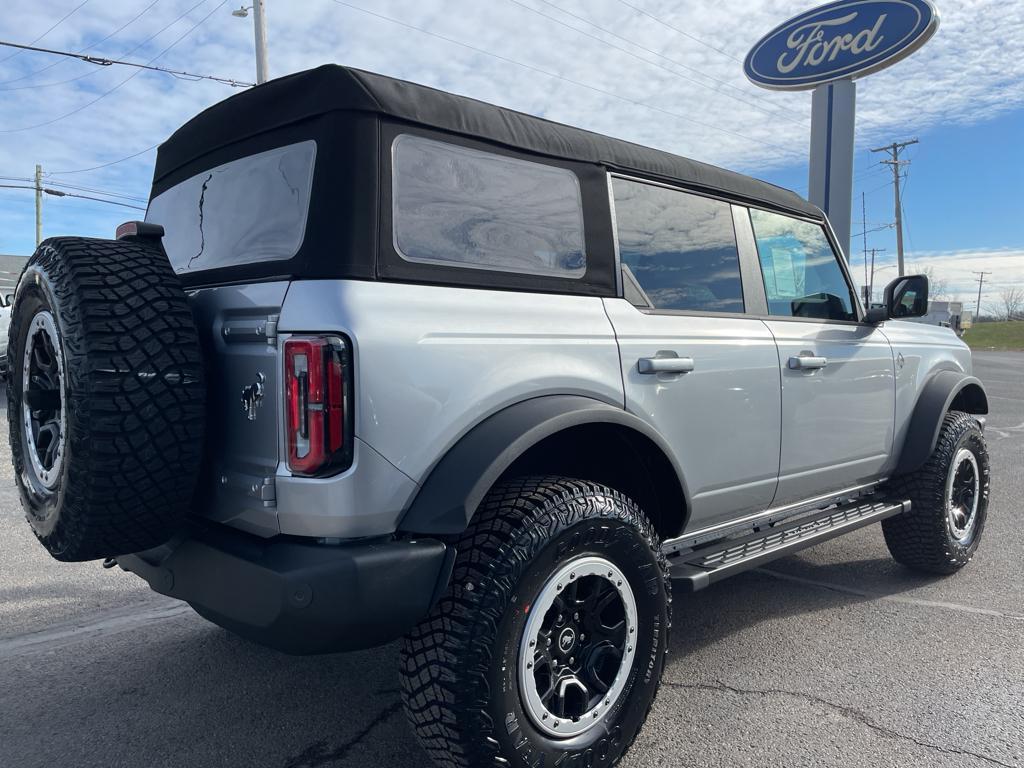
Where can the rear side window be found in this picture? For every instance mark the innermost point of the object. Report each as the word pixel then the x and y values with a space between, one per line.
pixel 801 275
pixel 678 250
pixel 249 210
pixel 461 207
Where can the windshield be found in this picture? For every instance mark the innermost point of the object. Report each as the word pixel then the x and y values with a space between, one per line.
pixel 249 210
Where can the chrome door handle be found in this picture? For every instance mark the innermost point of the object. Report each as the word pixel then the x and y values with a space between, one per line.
pixel 807 362
pixel 665 364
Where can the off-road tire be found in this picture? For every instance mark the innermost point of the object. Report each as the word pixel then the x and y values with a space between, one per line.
pixel 458 666
pixel 133 397
pixel 922 538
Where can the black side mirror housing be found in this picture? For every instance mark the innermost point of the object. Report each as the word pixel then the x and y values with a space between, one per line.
pixel 907 296
pixel 876 315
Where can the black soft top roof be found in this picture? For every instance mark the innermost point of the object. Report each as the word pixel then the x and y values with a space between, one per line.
pixel 329 88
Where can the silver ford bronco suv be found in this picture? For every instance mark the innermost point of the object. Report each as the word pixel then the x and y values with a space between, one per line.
pixel 385 362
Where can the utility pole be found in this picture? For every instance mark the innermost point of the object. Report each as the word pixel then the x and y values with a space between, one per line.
pixel 981 280
pixel 895 162
pixel 259 22
pixel 864 221
pixel 871 282
pixel 39 204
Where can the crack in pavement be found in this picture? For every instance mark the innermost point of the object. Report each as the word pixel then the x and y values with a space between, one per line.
pixel 317 754
pixel 849 712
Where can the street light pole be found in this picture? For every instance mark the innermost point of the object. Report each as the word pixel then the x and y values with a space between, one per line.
pixel 259 23
pixel 259 20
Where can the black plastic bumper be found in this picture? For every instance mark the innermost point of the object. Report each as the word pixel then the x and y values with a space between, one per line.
pixel 296 596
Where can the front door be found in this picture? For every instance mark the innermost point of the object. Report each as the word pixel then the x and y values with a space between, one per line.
pixel 838 384
pixel 693 365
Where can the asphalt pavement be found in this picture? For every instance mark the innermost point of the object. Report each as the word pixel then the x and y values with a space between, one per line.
pixel 835 657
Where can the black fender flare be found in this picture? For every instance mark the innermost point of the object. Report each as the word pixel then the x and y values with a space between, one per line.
pixel 935 400
pixel 458 483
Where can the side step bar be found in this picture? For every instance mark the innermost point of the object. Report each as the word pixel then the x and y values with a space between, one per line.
pixel 705 565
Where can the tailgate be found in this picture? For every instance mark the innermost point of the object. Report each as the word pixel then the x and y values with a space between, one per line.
pixel 237 326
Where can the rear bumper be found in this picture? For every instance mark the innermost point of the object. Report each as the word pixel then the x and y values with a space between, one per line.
pixel 297 596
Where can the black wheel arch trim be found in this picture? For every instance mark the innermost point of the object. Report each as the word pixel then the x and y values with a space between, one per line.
pixel 458 483
pixel 936 398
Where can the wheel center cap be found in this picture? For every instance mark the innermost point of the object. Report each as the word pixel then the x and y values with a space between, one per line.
pixel 566 640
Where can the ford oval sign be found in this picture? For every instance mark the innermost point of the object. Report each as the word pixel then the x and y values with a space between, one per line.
pixel 846 39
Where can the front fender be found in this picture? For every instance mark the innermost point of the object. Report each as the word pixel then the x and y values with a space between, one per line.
pixel 937 397
pixel 458 483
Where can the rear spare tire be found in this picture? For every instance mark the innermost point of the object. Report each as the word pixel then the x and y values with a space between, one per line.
pixel 105 397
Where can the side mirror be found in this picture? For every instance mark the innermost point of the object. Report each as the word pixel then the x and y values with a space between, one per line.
pixel 876 315
pixel 907 296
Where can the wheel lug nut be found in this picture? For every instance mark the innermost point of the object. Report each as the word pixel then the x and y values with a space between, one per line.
pixel 576 617
pixel 572 575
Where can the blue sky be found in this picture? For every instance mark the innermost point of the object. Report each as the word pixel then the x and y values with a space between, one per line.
pixel 665 73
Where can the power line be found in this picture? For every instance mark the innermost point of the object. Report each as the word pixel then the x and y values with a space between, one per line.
pixel 106 165
pixel 563 78
pixel 766 110
pixel 61 193
pixel 123 82
pixel 981 280
pixel 89 47
pixel 79 188
pixel 680 31
pixel 110 62
pixel 60 21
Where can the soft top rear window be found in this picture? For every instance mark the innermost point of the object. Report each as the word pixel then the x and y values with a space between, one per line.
pixel 248 210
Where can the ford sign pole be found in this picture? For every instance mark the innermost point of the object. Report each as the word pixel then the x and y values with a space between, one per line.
pixel 826 49
pixel 830 166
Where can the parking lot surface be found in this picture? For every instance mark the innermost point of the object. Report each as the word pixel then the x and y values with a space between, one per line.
pixel 835 657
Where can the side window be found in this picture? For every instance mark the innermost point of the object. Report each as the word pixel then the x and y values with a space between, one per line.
pixel 678 250
pixel 801 275
pixel 460 207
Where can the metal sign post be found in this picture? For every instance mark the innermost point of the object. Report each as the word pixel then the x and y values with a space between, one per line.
pixel 826 49
pixel 830 166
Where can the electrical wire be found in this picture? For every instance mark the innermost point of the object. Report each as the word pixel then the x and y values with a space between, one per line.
pixel 104 62
pixel 725 83
pixel 577 83
pixel 679 31
pixel 105 165
pixel 60 21
pixel 61 193
pixel 123 82
pixel 78 188
pixel 89 47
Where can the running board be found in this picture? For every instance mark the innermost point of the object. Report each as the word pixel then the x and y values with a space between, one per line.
pixel 705 565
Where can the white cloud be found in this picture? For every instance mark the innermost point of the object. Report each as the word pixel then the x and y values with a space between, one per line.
pixel 702 105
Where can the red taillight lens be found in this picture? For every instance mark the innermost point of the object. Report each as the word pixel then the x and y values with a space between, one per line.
pixel 318 411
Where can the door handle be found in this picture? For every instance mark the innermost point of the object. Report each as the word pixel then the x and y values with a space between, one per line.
pixel 665 364
pixel 807 362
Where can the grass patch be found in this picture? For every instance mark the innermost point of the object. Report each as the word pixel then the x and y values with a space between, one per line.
pixel 1003 336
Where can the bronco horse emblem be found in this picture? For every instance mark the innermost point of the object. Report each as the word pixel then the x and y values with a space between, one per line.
pixel 252 396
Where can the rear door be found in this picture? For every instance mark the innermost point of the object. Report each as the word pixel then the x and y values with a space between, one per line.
pixel 838 384
pixel 694 366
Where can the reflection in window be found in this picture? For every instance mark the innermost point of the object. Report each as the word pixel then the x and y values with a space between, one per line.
pixel 461 207
pixel 801 275
pixel 678 250
pixel 249 210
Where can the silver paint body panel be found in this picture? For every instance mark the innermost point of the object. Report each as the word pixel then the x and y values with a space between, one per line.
pixel 432 362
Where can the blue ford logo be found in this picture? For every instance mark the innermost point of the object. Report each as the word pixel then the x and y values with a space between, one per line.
pixel 846 39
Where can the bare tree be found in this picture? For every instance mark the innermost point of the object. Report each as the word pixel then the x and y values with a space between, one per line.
pixel 1009 305
pixel 1011 302
pixel 938 287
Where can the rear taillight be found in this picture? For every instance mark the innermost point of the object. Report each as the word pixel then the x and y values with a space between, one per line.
pixel 318 404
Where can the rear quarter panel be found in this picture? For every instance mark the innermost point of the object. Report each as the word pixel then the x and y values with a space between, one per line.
pixel 432 361
pixel 918 352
